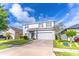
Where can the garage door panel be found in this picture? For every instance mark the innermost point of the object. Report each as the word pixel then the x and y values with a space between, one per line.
pixel 46 36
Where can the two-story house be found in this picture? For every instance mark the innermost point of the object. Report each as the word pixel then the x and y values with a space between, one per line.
pixel 40 31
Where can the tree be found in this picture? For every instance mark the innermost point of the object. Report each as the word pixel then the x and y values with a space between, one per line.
pixel 8 35
pixel 3 19
pixel 70 33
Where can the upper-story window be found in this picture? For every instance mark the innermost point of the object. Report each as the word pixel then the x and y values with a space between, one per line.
pixel 48 24
pixel 40 25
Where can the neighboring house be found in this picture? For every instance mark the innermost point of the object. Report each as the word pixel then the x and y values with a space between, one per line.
pixel 18 32
pixel 10 30
pixel 15 32
pixel 40 31
pixel 75 27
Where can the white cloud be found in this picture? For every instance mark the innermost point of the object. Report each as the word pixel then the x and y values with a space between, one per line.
pixel 21 15
pixel 74 17
pixel 16 24
pixel 63 19
pixel 74 20
pixel 29 9
pixel 71 5
pixel 71 23
pixel 5 5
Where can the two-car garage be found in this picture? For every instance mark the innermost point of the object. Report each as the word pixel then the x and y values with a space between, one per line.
pixel 46 35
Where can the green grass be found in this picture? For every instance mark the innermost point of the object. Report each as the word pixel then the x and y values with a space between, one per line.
pixel 59 44
pixel 15 42
pixel 66 54
pixel 3 47
pixel 2 41
pixel 6 43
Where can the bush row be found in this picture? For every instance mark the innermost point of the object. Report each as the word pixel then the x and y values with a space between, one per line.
pixel 24 37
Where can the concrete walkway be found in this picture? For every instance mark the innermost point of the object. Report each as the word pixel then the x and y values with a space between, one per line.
pixel 65 50
pixel 36 48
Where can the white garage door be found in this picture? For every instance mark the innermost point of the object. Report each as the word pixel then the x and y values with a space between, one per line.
pixel 46 35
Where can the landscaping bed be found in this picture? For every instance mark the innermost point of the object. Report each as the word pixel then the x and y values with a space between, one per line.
pixel 66 54
pixel 59 44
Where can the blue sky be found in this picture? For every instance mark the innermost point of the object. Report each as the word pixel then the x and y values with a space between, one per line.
pixel 24 13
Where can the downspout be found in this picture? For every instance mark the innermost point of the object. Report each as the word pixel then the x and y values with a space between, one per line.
pixel 54 29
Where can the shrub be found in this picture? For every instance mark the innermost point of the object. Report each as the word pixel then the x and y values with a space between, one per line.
pixel 34 39
pixel 24 37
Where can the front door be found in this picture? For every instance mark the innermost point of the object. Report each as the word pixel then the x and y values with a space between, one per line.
pixel 32 34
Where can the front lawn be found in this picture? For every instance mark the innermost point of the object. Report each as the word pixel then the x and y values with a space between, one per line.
pixel 66 54
pixel 2 41
pixel 9 43
pixel 59 44
pixel 16 42
pixel 3 47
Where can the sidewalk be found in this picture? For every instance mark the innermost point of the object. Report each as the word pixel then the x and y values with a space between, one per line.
pixel 65 50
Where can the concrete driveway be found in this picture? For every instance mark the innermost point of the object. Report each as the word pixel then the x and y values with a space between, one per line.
pixel 36 48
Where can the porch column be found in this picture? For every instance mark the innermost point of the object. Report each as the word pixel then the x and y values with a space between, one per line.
pixel 29 35
pixel 35 34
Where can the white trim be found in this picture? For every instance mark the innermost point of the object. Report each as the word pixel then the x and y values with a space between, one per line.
pixel 35 27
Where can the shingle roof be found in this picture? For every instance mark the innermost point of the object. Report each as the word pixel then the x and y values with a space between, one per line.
pixel 72 27
pixel 75 26
pixel 17 29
